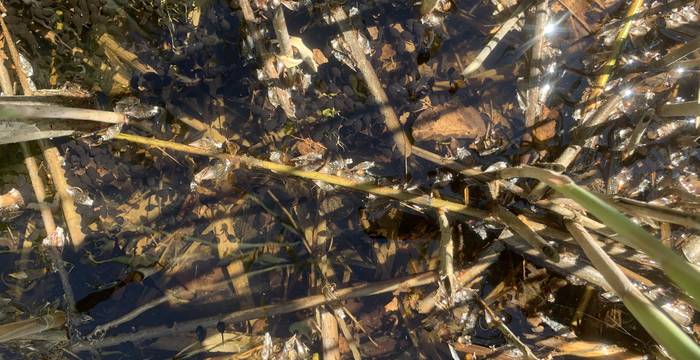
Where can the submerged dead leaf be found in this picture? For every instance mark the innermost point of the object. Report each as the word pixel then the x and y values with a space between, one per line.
pixel 307 55
pixel 289 62
pixel 392 305
pixel 373 32
pixel 450 120
pixel 387 57
pixel 319 57
pixel 307 146
pixel 588 349
pixel 546 129
pixel 409 46
pixel 388 52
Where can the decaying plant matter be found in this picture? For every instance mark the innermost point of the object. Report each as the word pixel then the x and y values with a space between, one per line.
pixel 346 180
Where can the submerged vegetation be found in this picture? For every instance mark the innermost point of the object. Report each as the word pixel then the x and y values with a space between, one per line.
pixel 444 179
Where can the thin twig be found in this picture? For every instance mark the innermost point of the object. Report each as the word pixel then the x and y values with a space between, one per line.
pixel 173 296
pixel 14 55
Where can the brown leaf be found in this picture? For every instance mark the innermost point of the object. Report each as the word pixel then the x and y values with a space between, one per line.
pixel 392 305
pixel 260 326
pixel 319 57
pixel 404 117
pixel 387 53
pixel 373 32
pixel 546 129
pixel 450 120
pixel 588 349
pixel 308 146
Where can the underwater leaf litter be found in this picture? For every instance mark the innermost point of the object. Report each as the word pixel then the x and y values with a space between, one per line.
pixel 293 179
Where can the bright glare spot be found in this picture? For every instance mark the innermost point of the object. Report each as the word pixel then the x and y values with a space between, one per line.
pixel 545 92
pixel 680 70
pixel 546 88
pixel 550 28
pixel 627 92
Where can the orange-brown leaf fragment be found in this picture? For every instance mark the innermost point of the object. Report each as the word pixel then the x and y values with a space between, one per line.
pixel 392 305
pixel 319 57
pixel 388 52
pixel 450 120
pixel 546 129
pixel 373 32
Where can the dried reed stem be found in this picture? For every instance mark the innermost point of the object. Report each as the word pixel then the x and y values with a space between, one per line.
pixel 379 96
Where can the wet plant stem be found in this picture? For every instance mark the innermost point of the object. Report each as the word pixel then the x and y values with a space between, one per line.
pixel 685 275
pixel 507 333
pixel 24 109
pixel 598 88
pixel 418 199
pixel 534 107
pixel 505 28
pixel 38 186
pixel 463 279
pixel 447 253
pixel 280 25
pixel 268 60
pixel 365 68
pixel 363 290
pixel 25 328
pixel 51 155
pixel 659 326
pixel 677 268
pixel 525 232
